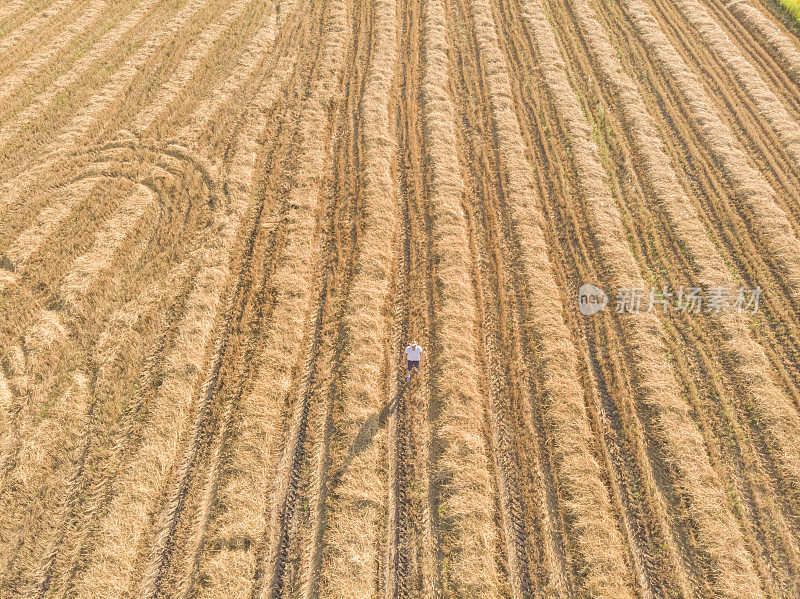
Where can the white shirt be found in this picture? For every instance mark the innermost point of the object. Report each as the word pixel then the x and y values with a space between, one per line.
pixel 413 353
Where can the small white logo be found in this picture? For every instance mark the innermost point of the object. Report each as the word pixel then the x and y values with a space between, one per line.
pixel 591 299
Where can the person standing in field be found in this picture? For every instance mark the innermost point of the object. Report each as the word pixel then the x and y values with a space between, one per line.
pixel 412 357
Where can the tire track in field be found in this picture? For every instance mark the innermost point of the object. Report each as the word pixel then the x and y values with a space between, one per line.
pixel 519 517
pixel 357 510
pixel 210 429
pixel 776 434
pixel 191 136
pixel 366 100
pixel 271 569
pixel 760 121
pixel 778 41
pixel 73 318
pixel 465 533
pixel 731 571
pixel 245 152
pixel 640 525
pixel 702 174
pixel 350 210
pixel 663 184
pixel 552 567
pixel 176 518
pixel 637 520
pixel 243 159
pixel 190 561
pixel 738 347
pixel 343 243
pixel 226 557
pixel 421 434
pixel 760 449
pixel 412 568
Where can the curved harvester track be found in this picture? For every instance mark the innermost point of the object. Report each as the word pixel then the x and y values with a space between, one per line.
pixel 222 222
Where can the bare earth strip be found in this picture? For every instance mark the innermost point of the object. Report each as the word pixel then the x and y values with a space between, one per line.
pixel 294 276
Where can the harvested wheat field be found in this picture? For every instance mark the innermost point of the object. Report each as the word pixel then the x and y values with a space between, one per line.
pixel 222 222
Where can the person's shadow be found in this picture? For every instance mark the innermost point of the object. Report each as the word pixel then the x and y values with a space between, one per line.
pixel 369 429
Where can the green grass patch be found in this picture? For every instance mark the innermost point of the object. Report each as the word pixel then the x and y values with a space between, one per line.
pixel 787 11
pixel 792 8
